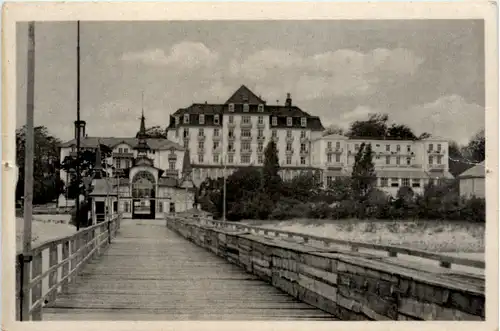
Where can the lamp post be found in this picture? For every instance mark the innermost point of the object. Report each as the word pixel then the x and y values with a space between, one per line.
pixel 78 128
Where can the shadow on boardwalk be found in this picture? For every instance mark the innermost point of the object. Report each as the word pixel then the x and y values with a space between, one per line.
pixel 151 273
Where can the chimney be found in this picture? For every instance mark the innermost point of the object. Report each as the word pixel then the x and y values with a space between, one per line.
pixel 80 125
pixel 288 102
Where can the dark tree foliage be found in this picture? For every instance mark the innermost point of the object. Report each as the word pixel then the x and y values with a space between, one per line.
pixel 47 184
pixel 363 175
pixel 304 187
pixel 271 180
pixel 156 132
pixel 476 148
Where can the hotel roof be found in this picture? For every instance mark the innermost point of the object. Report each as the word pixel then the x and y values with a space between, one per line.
pixel 154 143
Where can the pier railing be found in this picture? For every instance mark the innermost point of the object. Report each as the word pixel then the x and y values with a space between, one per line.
pixel 445 261
pixel 51 266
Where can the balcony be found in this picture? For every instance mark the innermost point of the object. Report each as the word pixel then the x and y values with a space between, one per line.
pixel 231 138
pixel 304 152
pixel 121 155
pixel 332 150
pixel 435 152
pixel 304 139
pixel 334 165
pixel 246 138
pixel 261 125
pixel 289 139
pixel 437 167
pixel 217 149
pixel 201 138
pixel 289 151
pixel 217 138
pixel 232 151
pixel 246 125
pixel 275 139
pixel 231 125
pixel 201 150
pixel 261 138
pixel 246 151
pixel 171 173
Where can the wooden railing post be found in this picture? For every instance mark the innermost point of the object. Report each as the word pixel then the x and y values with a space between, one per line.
pixel 109 231
pixel 24 295
pixel 74 260
pixel 65 267
pixel 36 291
pixel 53 260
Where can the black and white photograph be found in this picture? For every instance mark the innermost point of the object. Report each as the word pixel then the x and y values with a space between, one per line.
pixel 230 169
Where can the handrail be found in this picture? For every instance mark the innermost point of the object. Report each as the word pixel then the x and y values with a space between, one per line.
pixel 445 261
pixel 67 254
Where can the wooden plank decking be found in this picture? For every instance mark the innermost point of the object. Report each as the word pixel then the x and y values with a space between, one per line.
pixel 151 273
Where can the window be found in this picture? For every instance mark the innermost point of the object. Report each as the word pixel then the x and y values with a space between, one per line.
pixel 171 165
pixel 415 183
pixel 126 204
pixel 384 182
pixel 260 159
pixel 216 132
pixel 260 146
pixel 230 158
pixel 394 182
pixel 337 157
pixel 302 134
pixel 398 160
pixel 216 158
pixel 186 118
pixel 408 148
pixel 245 146
pixel 387 160
pixel 431 160
pixel 398 148
pixel 275 121
pixel 120 150
pixel 431 147
pixel 302 160
pixel 186 133
pixel 408 161
pixel 127 163
pixel 439 159
pixel 387 148
pixel 329 158
pixel 260 133
pixel 329 144
pixel 245 159
pixel 288 146
pixel 288 159
pixel 289 133
pixel 356 147
pixel 201 145
pixel 261 108
pixel 216 119
pixel 261 120
pixel 289 121
pixel 246 133
pixel 439 147
pixel 337 145
pixel 303 122
pixel 216 145
pixel 245 119
pixel 202 119
pixel 329 181
pixel 230 133
pixel 176 120
pixel 200 158
pixel 231 107
pixel 230 119
pixel 201 133
pixel 406 182
pixel 302 147
pixel 230 146
pixel 186 143
pixel 117 163
pixel 246 107
pixel 274 133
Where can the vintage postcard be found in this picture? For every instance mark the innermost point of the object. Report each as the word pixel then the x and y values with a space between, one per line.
pixel 179 165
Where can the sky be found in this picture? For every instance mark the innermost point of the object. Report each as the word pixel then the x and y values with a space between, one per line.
pixel 426 74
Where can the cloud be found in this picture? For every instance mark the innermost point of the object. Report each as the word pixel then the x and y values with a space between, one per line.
pixel 186 55
pixel 336 73
pixel 450 117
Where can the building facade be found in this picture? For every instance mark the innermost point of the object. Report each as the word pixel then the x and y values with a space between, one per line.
pixel 148 177
pixel 473 182
pixel 412 163
pixel 236 133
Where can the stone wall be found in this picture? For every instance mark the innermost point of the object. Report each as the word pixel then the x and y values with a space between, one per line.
pixel 350 287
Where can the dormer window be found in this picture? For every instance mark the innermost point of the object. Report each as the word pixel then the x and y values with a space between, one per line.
pixel 216 119
pixel 176 120
pixel 246 107
pixel 275 121
pixel 303 122
pixel 186 118
pixel 289 121
pixel 261 108
pixel 202 119
pixel 231 107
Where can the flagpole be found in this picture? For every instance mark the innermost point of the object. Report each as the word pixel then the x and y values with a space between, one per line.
pixel 28 171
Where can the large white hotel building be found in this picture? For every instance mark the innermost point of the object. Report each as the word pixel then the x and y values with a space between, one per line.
pixel 235 134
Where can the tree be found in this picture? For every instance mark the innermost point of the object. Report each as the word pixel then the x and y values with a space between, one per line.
pixel 47 184
pixel 376 127
pixel 271 180
pixel 156 132
pixel 363 172
pixel 476 147
pixel 87 162
pixel 303 187
pixel 333 129
pixel 457 161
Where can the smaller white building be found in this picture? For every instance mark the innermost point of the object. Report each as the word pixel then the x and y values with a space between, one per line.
pixel 472 182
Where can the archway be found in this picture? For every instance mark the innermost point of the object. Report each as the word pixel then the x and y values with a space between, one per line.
pixel 143 195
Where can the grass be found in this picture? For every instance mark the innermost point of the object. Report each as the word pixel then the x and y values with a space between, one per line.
pixel 42 230
pixel 437 236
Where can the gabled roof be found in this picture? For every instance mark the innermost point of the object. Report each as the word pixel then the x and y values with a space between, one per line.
pixel 244 95
pixel 477 171
pixel 154 143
